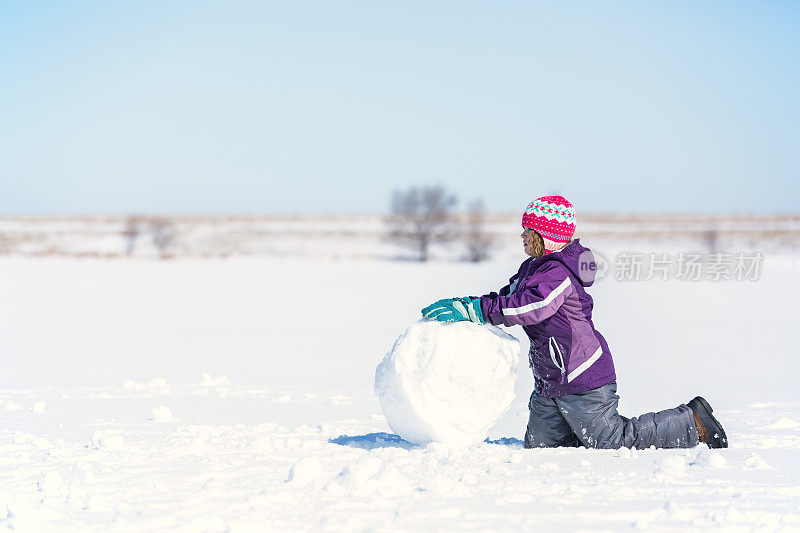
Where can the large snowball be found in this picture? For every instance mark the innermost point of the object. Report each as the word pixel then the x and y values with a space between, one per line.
pixel 447 382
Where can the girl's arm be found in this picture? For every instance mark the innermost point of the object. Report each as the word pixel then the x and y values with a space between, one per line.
pixel 539 300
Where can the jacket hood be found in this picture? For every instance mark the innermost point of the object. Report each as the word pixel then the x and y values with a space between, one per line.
pixel 577 259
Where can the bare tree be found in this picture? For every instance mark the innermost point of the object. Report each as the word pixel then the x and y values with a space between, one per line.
pixel 711 240
pixel 163 234
pixel 477 241
pixel 131 232
pixel 420 217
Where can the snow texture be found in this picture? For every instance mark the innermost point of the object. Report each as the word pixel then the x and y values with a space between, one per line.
pixel 447 383
pixel 260 387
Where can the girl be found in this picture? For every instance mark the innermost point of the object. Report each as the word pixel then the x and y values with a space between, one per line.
pixel 574 401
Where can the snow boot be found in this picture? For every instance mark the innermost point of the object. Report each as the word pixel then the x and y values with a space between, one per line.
pixel 708 427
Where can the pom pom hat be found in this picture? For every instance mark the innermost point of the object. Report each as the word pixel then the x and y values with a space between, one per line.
pixel 553 217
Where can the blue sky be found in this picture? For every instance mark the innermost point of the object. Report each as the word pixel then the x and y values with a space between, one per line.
pixel 326 107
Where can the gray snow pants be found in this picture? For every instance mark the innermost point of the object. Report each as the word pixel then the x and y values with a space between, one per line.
pixel 590 419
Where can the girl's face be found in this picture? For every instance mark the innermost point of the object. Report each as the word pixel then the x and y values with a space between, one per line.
pixel 532 242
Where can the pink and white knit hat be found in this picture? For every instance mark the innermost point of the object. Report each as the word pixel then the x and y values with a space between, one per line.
pixel 553 217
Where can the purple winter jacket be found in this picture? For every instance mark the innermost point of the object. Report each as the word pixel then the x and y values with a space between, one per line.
pixel 547 298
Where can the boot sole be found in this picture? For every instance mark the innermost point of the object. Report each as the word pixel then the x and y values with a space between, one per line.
pixel 716 435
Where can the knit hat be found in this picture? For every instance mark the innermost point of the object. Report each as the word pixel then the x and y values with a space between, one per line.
pixel 553 217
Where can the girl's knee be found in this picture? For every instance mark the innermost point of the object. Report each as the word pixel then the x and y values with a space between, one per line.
pixel 609 435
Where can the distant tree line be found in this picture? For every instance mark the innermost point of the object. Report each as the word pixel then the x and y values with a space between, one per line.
pixel 420 218
pixel 161 230
pixel 423 216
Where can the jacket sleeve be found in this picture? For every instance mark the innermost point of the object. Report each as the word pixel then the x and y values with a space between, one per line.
pixel 540 299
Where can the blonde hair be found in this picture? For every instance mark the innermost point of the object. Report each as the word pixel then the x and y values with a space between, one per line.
pixel 538 244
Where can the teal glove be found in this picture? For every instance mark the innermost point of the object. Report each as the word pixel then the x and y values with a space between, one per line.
pixel 455 310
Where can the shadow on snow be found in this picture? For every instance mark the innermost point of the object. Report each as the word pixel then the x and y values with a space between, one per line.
pixel 370 441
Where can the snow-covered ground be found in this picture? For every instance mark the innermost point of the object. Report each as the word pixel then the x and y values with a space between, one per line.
pixel 237 395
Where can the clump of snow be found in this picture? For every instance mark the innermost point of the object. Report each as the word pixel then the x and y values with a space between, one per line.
pixel 672 465
pixel 627 453
pixel 732 514
pixel 784 423
pixel 155 386
pixel 339 399
pixel 359 472
pixel 755 462
pixel 50 481
pixel 447 383
pixel 161 414
pixel 20 437
pixel 8 405
pixel 106 440
pixel 157 383
pixel 284 398
pixel 709 458
pixel 39 407
pixel 305 471
pixel 211 381
pixel 679 511
pixel 261 444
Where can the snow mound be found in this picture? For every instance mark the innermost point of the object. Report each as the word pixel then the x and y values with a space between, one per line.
pixel 161 414
pixel 709 458
pixel 447 383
